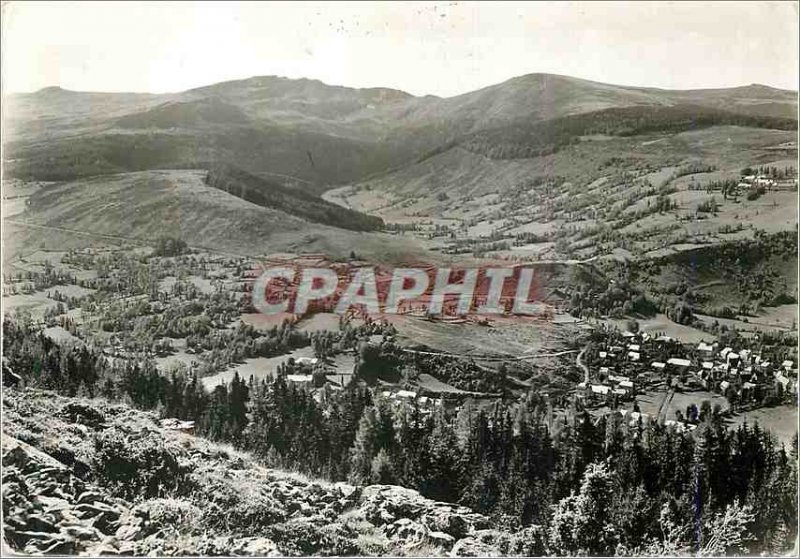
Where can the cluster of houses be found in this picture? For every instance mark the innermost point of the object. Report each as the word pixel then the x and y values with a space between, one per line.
pixel 768 183
pixel 635 417
pixel 742 374
pixel 426 404
pixel 624 366
pixel 619 369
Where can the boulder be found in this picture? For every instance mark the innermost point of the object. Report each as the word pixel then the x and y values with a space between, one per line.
pixel 407 530
pixel 474 547
pixel 440 539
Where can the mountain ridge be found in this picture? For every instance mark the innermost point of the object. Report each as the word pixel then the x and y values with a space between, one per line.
pixel 320 134
pixel 405 93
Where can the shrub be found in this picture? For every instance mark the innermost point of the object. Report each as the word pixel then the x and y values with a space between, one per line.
pixel 144 466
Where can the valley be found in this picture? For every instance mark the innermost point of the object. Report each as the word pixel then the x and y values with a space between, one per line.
pixel 662 230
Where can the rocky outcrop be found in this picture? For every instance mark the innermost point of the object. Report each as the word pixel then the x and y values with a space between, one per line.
pixel 88 477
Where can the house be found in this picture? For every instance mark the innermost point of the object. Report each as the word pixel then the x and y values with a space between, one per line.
pixel 633 355
pixel 626 384
pixel 658 365
pixel 724 353
pixel 707 365
pixel 633 347
pixel 745 354
pixel 705 347
pixel 678 362
pixel 406 394
pixel 300 379
pixel 600 389
pixel 603 354
pixel 306 360
pixel 787 365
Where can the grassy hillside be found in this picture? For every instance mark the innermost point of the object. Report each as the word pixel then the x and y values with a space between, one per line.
pixel 618 196
pixel 141 207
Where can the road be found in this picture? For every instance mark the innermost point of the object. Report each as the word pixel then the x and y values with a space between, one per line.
pixel 579 362
pixel 663 409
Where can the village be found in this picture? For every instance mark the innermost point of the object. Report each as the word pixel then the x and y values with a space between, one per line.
pixel 624 366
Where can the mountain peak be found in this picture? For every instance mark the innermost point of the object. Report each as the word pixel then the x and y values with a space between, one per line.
pixel 51 90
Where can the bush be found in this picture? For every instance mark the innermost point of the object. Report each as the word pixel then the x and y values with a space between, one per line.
pixel 140 467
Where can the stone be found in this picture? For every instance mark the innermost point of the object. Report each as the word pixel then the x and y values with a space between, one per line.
pixel 472 547
pixel 440 539
pixel 89 497
pixel 39 523
pixel 407 530
pixel 261 547
pixel 80 532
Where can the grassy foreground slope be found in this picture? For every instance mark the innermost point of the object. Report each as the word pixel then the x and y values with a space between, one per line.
pixel 89 477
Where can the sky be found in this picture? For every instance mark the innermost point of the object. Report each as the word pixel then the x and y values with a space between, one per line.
pixel 442 49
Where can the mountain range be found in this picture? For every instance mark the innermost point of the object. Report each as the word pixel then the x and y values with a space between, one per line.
pixel 304 132
pixel 302 162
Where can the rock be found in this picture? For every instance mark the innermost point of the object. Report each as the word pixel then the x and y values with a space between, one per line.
pixel 39 523
pixel 261 547
pixel 53 546
pixel 440 539
pixel 102 550
pixel 80 532
pixel 89 497
pixel 51 503
pixel 447 521
pixel 407 530
pixel 129 532
pixel 16 457
pixel 346 490
pixel 474 547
